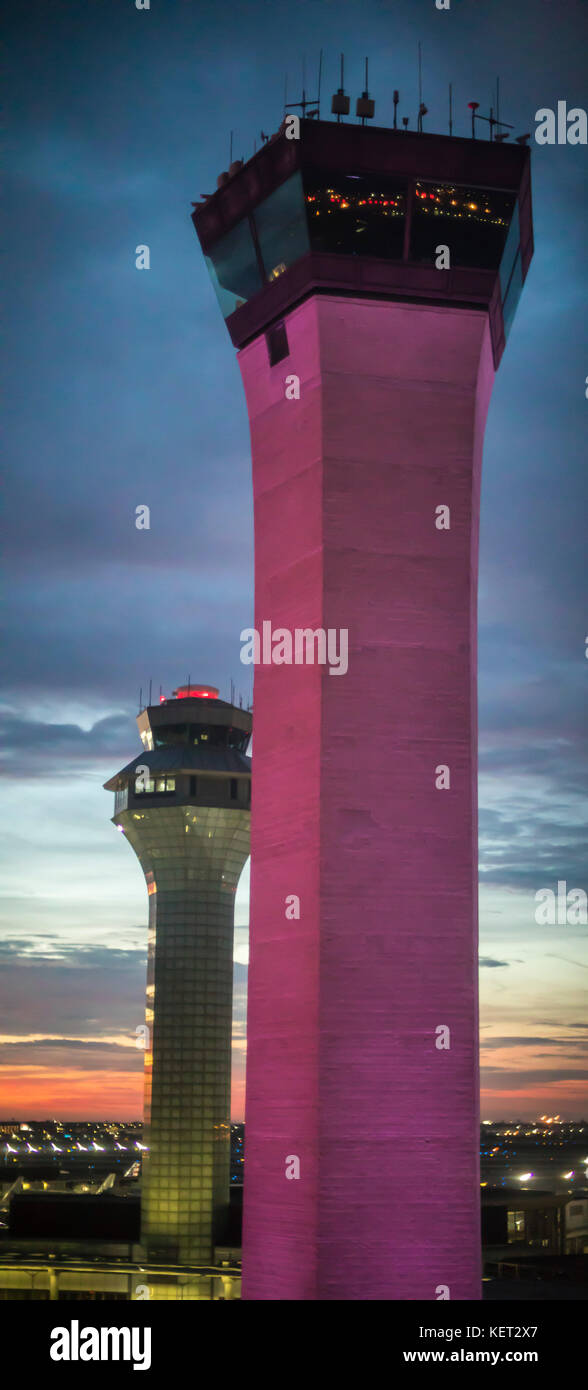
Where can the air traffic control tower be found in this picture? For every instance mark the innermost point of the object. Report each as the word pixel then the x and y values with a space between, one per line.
pixel 183 804
pixel 368 278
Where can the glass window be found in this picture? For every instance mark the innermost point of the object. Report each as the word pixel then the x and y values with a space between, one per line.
pixel 281 227
pixel 277 343
pixel 516 1225
pixel 170 735
pixel 233 268
pixel 356 214
pixel 513 294
pixel 161 784
pixel 143 786
pixel 472 222
pixel 511 280
pixel 509 254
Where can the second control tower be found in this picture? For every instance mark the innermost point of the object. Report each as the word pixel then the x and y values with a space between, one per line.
pixel 183 804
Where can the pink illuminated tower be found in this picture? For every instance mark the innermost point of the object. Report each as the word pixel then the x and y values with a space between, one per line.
pixel 368 278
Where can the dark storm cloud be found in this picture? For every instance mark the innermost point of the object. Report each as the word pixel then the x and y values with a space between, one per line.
pixel 94 990
pixel 497 1075
pixel 72 1052
pixel 70 955
pixel 34 1044
pixel 486 963
pixel 36 749
pixel 523 1040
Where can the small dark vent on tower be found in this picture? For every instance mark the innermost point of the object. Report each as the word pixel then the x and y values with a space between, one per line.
pixel 277 343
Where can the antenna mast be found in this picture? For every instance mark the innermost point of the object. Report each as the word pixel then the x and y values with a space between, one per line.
pixel 340 102
pixel 422 107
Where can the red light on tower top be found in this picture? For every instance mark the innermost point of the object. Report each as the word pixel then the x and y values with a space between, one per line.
pixel 195 692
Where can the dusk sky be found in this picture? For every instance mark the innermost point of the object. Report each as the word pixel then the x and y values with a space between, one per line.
pixel 124 389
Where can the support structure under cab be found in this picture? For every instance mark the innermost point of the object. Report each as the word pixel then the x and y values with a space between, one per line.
pixel 368 278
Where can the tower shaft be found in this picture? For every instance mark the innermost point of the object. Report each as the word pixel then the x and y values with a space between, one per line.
pixel 192 878
pixel 346 1065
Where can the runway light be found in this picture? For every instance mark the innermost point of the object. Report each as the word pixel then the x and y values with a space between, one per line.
pixel 569 1175
pixel 524 1177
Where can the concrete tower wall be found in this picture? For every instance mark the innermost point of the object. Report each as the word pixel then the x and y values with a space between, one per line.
pixel 344 1003
pixel 192 857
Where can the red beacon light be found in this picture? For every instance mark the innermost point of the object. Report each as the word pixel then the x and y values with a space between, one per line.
pixel 195 692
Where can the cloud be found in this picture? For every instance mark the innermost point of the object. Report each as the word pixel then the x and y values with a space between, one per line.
pixel 33 748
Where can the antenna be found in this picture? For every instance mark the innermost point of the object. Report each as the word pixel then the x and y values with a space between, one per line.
pixel 364 106
pixel 396 99
pixel 340 102
pixel 451 108
pixel 490 120
pixel 314 102
pixel 422 107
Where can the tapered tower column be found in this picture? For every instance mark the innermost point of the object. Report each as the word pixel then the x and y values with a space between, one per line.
pixel 369 278
pixel 183 804
pixel 347 1073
